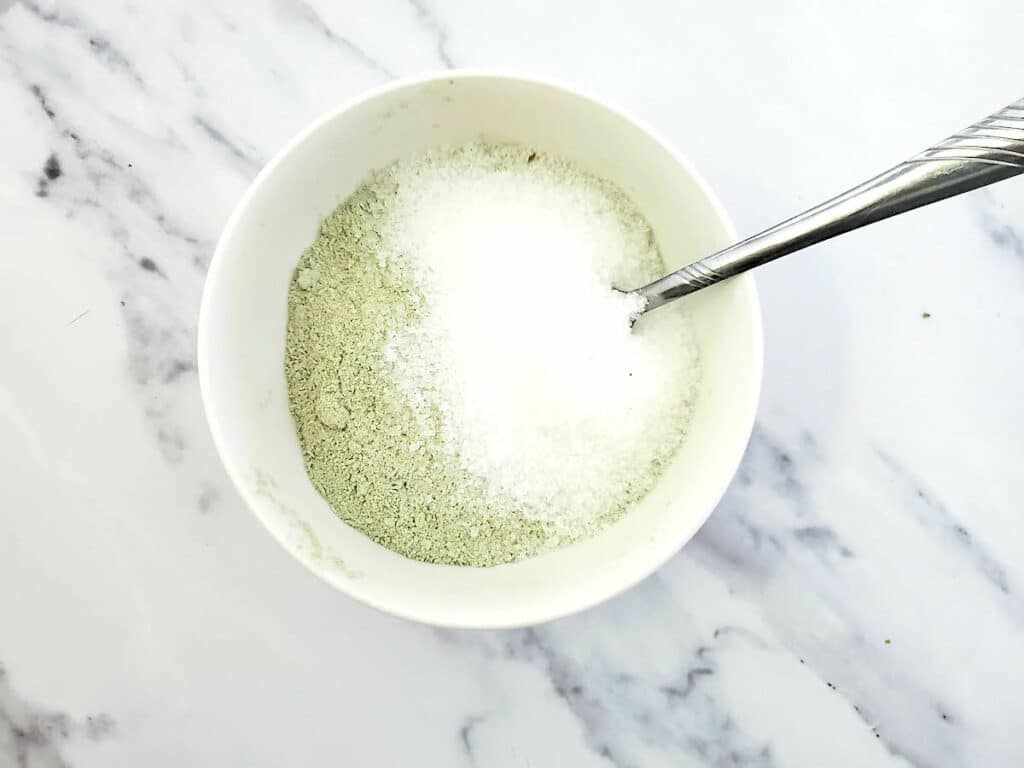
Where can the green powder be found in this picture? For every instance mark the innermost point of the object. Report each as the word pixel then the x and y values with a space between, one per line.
pixel 380 462
pixel 364 449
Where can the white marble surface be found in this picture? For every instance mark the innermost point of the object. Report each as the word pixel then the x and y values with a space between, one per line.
pixel 858 597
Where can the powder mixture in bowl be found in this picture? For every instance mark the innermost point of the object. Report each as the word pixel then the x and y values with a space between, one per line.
pixel 465 382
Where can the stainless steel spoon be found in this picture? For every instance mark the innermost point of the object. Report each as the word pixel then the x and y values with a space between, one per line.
pixel 987 152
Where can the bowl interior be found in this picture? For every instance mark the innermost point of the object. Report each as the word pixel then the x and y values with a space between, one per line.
pixel 242 339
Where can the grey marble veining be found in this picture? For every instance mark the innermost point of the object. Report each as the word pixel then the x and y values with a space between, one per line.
pixel 32 736
pixel 856 598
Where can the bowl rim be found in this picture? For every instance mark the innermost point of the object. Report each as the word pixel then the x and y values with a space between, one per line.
pixel 352 588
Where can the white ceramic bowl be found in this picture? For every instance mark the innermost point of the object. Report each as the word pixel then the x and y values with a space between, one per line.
pixel 242 340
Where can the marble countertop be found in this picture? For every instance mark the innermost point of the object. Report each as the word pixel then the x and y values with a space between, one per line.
pixel 858 597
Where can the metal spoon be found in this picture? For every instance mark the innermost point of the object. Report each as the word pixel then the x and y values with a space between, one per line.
pixel 987 152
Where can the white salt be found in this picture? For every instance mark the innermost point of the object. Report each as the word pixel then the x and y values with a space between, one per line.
pixel 523 346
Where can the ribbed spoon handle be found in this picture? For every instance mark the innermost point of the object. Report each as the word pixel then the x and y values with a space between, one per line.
pixel 987 152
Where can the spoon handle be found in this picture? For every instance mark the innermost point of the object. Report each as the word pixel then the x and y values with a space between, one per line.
pixel 987 152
